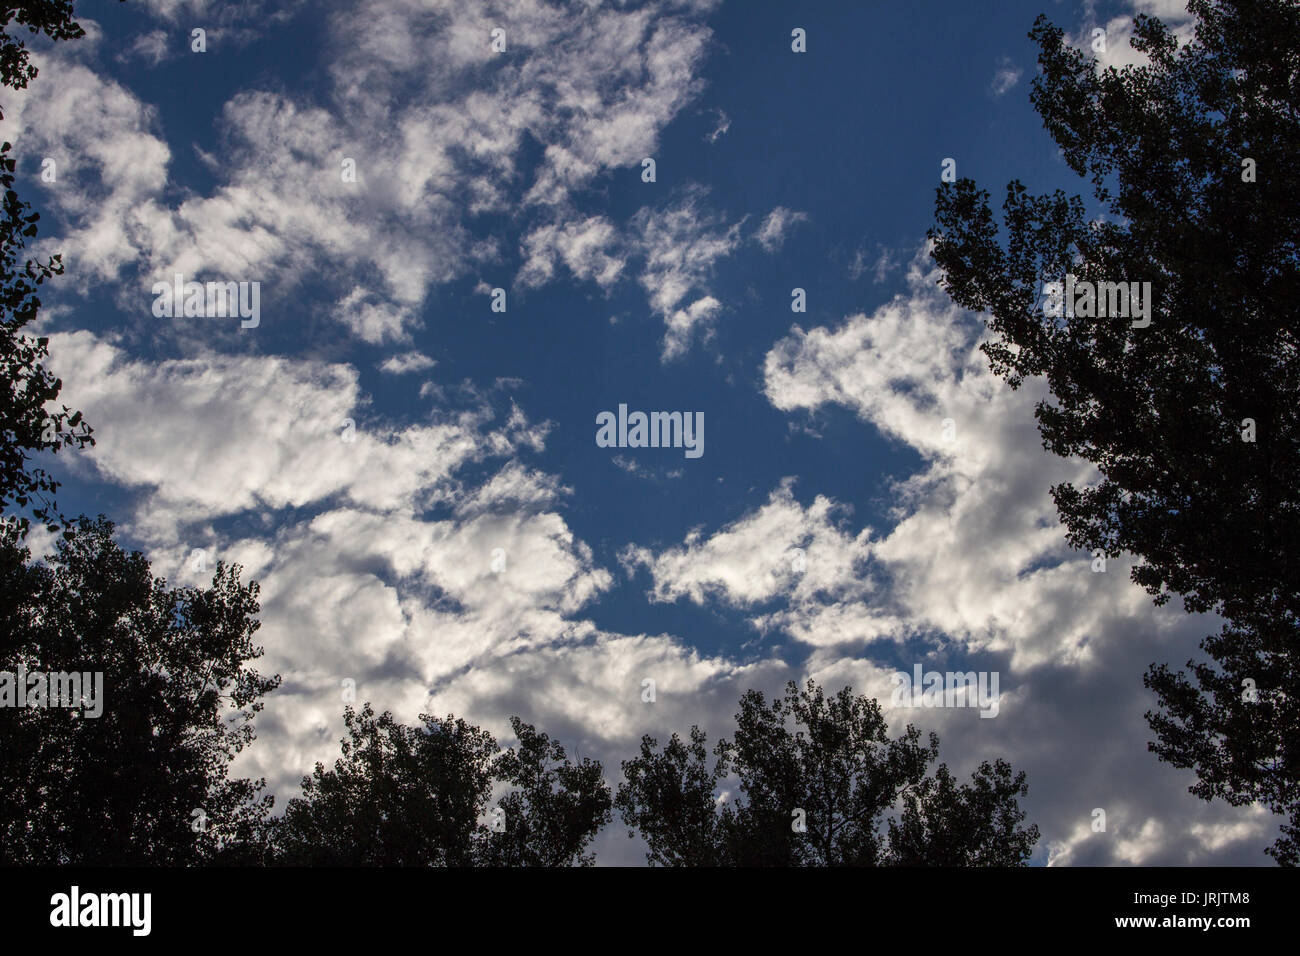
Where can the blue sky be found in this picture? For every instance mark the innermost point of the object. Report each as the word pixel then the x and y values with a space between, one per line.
pixel 476 430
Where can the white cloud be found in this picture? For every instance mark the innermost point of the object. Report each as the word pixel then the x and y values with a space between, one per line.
pixel 756 558
pixel 272 436
pixel 1006 76
pixel 380 564
pixel 1135 836
pixel 152 47
pixel 407 362
pixel 720 128
pixel 885 264
pixel 977 552
pixel 776 226
pixel 594 91
pixel 233 22
pixel 589 248
pixel 1118 32
pixel 681 244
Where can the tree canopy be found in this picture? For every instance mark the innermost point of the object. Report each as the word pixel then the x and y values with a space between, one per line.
pixel 419 796
pixel 820 783
pixel 146 780
pixel 1192 421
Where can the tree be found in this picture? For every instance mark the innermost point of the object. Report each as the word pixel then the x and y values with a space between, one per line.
pixel 398 796
pixel 26 386
pixel 822 784
pixel 1192 421
pixel 555 807
pixel 418 796
pixel 146 781
pixel 671 797
pixel 974 824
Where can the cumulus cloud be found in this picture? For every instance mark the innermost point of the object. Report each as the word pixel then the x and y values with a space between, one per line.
pixel 978 552
pixel 276 433
pixel 782 548
pixel 152 47
pixel 974 574
pixel 378 562
pixel 369 184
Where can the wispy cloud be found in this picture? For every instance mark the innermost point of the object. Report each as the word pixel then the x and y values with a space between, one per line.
pixel 720 127
pixel 1006 76
pixel 407 362
pixel 680 244
pixel 776 226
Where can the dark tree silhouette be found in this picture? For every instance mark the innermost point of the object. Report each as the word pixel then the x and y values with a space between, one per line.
pixel 944 823
pixel 821 784
pixel 398 796
pixel 26 386
pixel 419 796
pixel 179 700
pixel 671 797
pixel 1194 421
pixel 554 808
